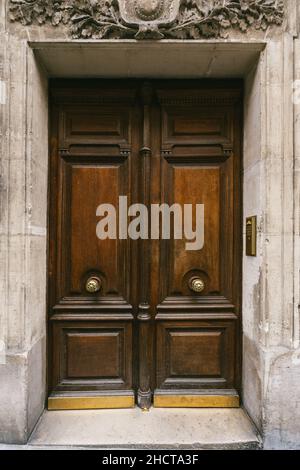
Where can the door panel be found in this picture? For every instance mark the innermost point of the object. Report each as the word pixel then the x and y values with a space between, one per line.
pixel 145 334
pixel 198 332
pixel 93 153
pixel 186 126
pixel 184 188
pixel 195 354
pixel 92 355
pixel 96 183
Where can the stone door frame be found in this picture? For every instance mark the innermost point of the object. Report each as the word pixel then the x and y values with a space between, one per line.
pixel 271 191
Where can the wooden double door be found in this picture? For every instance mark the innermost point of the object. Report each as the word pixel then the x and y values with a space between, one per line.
pixel 144 321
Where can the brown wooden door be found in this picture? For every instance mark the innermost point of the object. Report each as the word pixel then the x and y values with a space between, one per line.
pixel 145 336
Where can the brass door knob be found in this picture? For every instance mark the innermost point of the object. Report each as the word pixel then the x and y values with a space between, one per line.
pixel 196 284
pixel 93 285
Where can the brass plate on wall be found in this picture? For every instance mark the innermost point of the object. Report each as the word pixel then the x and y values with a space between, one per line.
pixel 251 231
pixel 196 401
pixel 90 403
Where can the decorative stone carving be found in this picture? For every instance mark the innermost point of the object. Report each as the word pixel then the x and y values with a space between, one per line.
pixel 147 10
pixel 149 19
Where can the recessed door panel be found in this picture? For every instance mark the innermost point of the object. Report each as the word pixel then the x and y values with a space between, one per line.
pixel 194 185
pixel 92 185
pixel 92 356
pixel 195 355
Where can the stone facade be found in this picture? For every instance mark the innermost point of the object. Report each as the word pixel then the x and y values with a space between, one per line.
pixel 29 54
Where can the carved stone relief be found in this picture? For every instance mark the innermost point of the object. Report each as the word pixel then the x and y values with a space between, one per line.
pixel 149 19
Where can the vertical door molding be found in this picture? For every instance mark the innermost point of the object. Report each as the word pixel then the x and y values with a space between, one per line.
pixel 144 315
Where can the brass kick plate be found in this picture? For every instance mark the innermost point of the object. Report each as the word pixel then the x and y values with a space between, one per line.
pixel 196 401
pixel 90 403
pixel 251 231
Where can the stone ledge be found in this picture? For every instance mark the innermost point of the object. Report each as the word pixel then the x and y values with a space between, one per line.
pixel 131 59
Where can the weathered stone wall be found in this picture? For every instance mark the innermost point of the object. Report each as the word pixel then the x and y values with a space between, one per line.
pixel 271 282
pixel 271 360
pixel 24 163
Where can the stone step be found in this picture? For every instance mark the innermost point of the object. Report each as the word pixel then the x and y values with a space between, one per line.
pixel 156 429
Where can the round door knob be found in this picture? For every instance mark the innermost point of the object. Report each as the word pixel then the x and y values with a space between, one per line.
pixel 197 285
pixel 93 285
